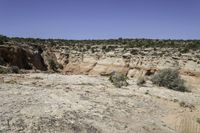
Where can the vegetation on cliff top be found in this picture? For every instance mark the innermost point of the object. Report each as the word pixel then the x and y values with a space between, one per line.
pixel 186 44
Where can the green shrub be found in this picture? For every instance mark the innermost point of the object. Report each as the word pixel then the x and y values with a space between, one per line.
pixel 169 78
pixel 141 81
pixel 60 66
pixel 1 42
pixel 118 79
pixel 14 69
pixel 52 65
pixel 3 70
pixel 2 62
pixel 198 120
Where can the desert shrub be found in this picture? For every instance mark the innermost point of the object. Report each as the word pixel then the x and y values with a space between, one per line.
pixel 187 105
pixel 118 79
pixel 198 120
pixel 1 42
pixel 52 65
pixel 3 70
pixel 3 39
pixel 14 69
pixel 60 66
pixel 88 47
pixel 2 62
pixel 169 78
pixel 141 81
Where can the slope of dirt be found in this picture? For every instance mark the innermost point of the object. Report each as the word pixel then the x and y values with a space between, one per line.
pixel 44 103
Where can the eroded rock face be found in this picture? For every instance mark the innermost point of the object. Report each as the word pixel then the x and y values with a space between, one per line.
pixel 99 60
pixel 24 58
pixel 145 62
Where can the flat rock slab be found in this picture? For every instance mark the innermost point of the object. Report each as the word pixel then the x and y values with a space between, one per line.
pixel 46 103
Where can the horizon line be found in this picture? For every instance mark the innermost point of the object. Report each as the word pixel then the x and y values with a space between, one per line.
pixel 114 38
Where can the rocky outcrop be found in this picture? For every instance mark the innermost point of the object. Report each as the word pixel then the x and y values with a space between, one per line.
pixel 23 57
pixel 133 62
pixel 102 60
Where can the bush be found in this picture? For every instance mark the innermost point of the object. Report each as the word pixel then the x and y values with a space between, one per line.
pixel 3 70
pixel 169 78
pixel 60 66
pixel 141 81
pixel 198 120
pixel 14 69
pixel 52 65
pixel 1 42
pixel 118 79
pixel 2 62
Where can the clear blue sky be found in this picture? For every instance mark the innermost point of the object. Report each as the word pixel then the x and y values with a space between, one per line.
pixel 98 19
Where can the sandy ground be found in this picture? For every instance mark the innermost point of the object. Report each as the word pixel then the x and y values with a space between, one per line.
pixel 54 103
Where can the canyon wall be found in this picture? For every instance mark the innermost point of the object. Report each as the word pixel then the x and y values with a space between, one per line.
pixel 102 60
pixel 133 62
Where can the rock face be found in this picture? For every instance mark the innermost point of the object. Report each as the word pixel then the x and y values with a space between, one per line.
pixel 95 60
pixel 140 62
pixel 24 58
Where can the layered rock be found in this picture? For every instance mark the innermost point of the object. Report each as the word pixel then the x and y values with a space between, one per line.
pixel 102 60
pixel 140 62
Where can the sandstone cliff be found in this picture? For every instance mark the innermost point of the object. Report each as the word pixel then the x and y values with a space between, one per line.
pixel 102 60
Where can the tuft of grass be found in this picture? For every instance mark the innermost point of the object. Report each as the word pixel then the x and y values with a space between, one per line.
pixel 186 105
pixel 169 78
pixel 182 104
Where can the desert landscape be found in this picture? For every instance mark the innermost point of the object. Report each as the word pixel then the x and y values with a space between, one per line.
pixel 98 86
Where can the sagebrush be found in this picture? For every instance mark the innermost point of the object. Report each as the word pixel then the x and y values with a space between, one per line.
pixel 169 78
pixel 52 65
pixel 118 79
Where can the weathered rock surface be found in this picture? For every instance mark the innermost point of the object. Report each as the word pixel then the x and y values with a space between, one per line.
pixel 95 60
pixel 133 62
pixel 54 103
pixel 140 62
pixel 23 57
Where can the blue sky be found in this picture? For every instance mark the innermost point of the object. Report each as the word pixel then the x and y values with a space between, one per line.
pixel 101 19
